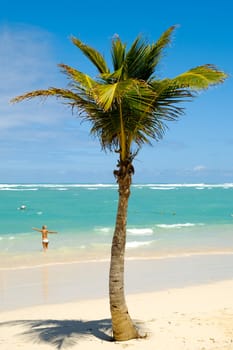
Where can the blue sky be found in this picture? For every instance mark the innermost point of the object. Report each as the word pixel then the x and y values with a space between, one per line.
pixel 44 142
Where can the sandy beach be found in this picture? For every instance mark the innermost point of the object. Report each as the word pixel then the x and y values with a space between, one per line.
pixel 180 302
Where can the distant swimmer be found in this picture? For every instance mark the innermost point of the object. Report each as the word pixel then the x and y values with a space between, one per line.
pixel 44 234
pixel 22 207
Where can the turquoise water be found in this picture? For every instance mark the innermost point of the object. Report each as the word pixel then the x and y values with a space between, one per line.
pixel 162 219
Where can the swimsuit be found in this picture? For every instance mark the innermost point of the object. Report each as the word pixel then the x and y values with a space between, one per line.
pixel 45 240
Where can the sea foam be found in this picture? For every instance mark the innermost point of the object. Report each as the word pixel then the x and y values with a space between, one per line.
pixel 140 231
pixel 136 244
pixel 168 226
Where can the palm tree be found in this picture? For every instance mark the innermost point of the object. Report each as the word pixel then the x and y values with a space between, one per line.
pixel 127 107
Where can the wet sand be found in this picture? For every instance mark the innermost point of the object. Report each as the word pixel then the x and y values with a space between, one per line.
pixel 50 283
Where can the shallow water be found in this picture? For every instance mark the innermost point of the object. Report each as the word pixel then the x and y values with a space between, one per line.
pixel 167 220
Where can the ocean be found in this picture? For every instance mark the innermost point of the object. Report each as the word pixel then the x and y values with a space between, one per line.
pixel 163 220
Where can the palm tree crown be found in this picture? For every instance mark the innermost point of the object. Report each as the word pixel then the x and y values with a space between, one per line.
pixel 129 106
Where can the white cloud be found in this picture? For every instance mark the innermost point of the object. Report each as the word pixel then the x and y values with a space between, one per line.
pixel 26 55
pixel 27 62
pixel 34 133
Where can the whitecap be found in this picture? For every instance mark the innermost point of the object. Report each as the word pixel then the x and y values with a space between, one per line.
pixel 162 188
pixel 17 189
pixel 140 231
pixel 226 186
pixel 94 185
pixel 185 185
pixel 103 229
pixel 168 226
pixel 136 244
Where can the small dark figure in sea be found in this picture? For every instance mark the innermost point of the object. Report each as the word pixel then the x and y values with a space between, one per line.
pixel 44 234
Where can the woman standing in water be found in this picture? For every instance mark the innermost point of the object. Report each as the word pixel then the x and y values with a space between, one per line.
pixel 44 233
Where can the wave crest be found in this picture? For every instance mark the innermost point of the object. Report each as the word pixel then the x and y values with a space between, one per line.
pixel 168 226
pixel 136 244
pixel 140 231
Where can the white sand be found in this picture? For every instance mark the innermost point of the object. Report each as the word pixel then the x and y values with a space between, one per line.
pixel 190 318
pixel 183 303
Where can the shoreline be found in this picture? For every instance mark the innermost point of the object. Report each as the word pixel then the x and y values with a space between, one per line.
pixel 129 257
pixel 63 282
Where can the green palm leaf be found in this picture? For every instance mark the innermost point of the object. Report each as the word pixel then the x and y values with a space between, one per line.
pixel 77 78
pixel 142 58
pixel 200 77
pixel 118 53
pixel 94 56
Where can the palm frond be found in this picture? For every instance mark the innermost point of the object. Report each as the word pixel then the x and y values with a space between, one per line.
pixel 114 76
pixel 77 77
pixel 94 56
pixel 32 94
pixel 200 77
pixel 157 49
pixel 106 94
pixel 134 64
pixel 165 107
pixel 67 96
pixel 142 58
pixel 137 94
pixel 118 53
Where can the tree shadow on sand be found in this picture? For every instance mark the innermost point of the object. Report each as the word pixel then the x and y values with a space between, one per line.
pixel 62 333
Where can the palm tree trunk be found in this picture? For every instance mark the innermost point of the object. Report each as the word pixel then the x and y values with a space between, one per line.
pixel 122 325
